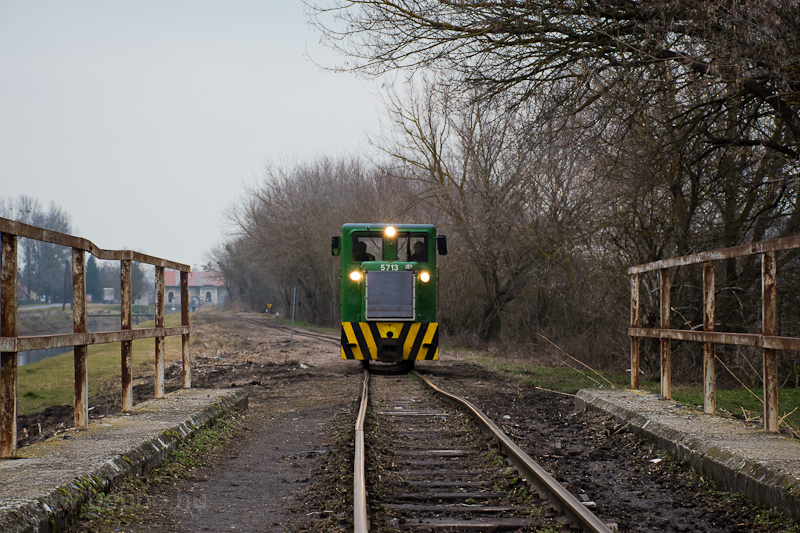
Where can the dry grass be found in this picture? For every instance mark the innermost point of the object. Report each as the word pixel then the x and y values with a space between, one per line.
pixel 51 381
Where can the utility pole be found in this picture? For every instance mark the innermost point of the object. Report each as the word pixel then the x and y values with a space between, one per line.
pixel 66 281
pixel 294 299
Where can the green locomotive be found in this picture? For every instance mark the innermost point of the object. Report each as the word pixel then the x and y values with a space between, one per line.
pixel 389 291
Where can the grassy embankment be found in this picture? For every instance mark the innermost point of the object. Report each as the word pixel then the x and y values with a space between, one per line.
pixel 564 379
pixel 51 381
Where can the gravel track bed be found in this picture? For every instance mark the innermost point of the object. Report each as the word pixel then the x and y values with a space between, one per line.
pixel 429 467
pixel 631 482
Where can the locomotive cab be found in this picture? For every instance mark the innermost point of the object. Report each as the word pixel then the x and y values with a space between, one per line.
pixel 389 291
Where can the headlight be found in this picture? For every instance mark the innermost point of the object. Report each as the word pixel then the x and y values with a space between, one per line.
pixel 355 275
pixel 389 232
pixel 424 277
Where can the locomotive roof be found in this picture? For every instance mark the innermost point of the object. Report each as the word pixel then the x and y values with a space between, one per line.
pixel 379 225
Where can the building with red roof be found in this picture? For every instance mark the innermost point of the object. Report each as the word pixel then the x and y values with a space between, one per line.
pixel 205 288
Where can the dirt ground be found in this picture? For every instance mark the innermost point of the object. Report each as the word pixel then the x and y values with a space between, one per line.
pixel 301 398
pixel 288 465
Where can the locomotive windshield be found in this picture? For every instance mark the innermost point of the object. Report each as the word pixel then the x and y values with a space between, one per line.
pixel 412 246
pixel 367 245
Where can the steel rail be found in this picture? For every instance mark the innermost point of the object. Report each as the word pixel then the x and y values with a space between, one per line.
pixel 528 468
pixel 360 519
pixel 327 337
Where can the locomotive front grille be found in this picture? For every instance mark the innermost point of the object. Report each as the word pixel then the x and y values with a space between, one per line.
pixel 390 295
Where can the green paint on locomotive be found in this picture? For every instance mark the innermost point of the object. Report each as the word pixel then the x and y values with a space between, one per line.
pixel 389 290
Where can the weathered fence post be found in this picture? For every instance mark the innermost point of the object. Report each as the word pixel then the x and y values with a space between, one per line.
pixel 8 360
pixel 634 324
pixel 126 353
pixel 709 363
pixel 187 367
pixel 81 402
pixel 666 353
pixel 769 303
pixel 160 345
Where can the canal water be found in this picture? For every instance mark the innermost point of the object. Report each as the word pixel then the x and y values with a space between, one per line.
pixel 34 356
pixel 94 324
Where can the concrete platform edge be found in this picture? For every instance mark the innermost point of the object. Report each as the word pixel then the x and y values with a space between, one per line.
pixel 56 510
pixel 735 472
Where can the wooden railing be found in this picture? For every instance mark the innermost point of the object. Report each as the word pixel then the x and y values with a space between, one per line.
pixel 768 339
pixel 81 338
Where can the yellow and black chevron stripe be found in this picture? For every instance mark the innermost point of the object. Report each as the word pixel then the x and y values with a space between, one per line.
pixel 390 341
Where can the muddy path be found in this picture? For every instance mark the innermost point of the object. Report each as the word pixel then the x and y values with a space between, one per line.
pixel 301 400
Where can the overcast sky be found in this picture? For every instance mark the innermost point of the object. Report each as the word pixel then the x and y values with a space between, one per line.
pixel 144 119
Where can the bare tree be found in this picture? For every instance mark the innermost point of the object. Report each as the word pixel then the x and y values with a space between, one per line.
pixel 742 54
pixel 46 267
pixel 667 192
pixel 283 231
pixel 507 197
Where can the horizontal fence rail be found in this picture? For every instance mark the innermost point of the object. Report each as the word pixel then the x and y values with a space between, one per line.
pixel 81 339
pixel 767 340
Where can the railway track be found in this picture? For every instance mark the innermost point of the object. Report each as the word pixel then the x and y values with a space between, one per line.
pixel 271 323
pixel 421 465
